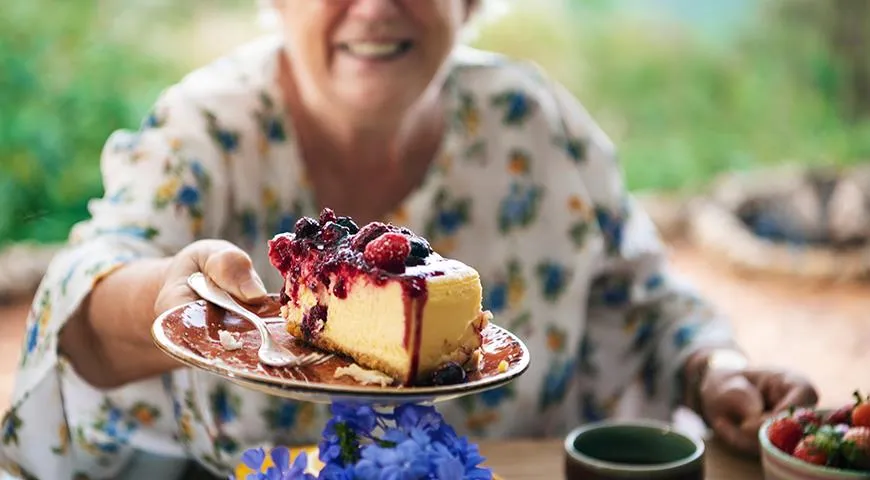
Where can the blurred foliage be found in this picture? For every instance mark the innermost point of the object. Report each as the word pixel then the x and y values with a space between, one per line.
pixel 682 106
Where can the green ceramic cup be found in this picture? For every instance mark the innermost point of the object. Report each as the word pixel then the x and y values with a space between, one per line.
pixel 614 450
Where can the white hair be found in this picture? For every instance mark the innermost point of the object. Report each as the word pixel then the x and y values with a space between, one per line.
pixel 488 11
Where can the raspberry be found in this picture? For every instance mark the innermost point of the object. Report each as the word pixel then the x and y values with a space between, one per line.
pixel 367 234
pixel 388 252
pixel 280 253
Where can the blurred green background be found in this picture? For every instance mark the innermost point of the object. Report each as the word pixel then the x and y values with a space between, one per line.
pixel 686 88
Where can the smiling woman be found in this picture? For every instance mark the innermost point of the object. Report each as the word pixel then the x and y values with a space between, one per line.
pixel 374 109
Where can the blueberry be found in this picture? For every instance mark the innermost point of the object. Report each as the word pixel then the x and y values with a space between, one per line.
pixel 348 223
pixel 450 374
pixel 420 248
pixel 332 232
pixel 413 261
pixel 306 227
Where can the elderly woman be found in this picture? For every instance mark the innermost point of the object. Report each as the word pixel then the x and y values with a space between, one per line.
pixel 369 107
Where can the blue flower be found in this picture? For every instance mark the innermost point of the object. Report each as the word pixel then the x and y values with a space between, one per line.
pixel 229 141
pixel 654 281
pixel 187 195
pixel 223 405
pixel 254 458
pixel 410 417
pixel 332 471
pixel 685 334
pixel 274 129
pixel 554 278
pixel 405 461
pixel 359 417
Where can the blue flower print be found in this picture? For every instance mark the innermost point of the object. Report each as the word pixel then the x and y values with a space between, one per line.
pixel 226 443
pixel 573 147
pixel 553 278
pixel 495 297
pixel 200 175
pixel 641 323
pixel 685 334
pixel 10 425
pixel 248 222
pixel 136 231
pixel 227 140
pixel 450 214
pixel 271 122
pixel 115 426
pixel 649 374
pixel 282 414
pixel 613 291
pixel 593 410
pixel 556 383
pixel 494 398
pixel 654 281
pixel 32 337
pixel 516 105
pixel 187 196
pixel 612 227
pixel 152 120
pixel 586 354
pixel 520 207
pixel 224 405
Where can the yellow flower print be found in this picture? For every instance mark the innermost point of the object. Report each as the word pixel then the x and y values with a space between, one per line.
pixel 175 144
pixel 519 162
pixel 577 205
pixel 477 422
pixel 469 116
pixel 444 246
pixel 516 285
pixel 63 436
pixel 196 226
pixel 185 429
pixel 45 311
pixel 166 192
pixel 399 217
pixel 144 414
pixel 555 339
pixel 270 198
pixel 446 162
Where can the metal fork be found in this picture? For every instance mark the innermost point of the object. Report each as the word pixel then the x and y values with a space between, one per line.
pixel 270 353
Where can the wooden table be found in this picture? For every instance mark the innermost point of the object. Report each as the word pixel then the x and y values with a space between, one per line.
pixel 543 459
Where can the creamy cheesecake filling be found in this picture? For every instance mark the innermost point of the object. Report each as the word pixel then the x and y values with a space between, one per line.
pixel 381 296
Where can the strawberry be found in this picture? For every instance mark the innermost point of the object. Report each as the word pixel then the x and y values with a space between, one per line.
pixel 856 446
pixel 388 252
pixel 808 451
pixel 806 416
pixel 785 433
pixel 861 412
pixel 842 415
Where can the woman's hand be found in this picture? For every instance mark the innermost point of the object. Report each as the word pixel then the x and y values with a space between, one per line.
pixel 224 263
pixel 736 402
pixel 109 341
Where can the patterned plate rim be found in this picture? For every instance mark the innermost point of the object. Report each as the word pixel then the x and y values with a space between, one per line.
pixel 220 368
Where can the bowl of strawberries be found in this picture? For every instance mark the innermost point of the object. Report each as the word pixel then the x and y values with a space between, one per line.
pixel 810 444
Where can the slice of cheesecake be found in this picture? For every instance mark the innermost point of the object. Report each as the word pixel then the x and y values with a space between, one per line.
pixel 381 296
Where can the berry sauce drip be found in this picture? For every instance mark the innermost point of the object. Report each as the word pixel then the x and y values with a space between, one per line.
pixel 332 252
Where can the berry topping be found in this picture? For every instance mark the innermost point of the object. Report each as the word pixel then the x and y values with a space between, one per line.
pixel 785 434
pixel 280 252
pixel 420 248
pixel 388 252
pixel 332 232
pixel 806 416
pixel 842 415
pixel 306 227
pixel 327 215
pixel 348 223
pixel 367 234
pixel 450 374
pixel 413 261
pixel 808 451
pixel 313 322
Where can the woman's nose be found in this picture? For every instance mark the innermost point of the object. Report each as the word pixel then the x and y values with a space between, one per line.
pixel 375 9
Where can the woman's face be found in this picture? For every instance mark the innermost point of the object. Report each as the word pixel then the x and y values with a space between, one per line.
pixel 369 55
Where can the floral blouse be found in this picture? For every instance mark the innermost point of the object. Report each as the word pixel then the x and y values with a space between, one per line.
pixel 526 188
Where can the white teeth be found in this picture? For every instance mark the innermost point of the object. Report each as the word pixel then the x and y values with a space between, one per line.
pixel 373 49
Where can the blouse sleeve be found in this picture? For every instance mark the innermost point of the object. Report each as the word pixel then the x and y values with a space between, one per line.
pixel 159 182
pixel 642 321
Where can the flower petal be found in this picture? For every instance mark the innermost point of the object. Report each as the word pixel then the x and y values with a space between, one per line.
pixel 281 458
pixel 253 458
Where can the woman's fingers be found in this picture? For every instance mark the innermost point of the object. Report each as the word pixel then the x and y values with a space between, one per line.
pixel 231 269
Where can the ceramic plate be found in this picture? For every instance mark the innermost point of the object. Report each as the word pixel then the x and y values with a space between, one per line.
pixel 189 333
